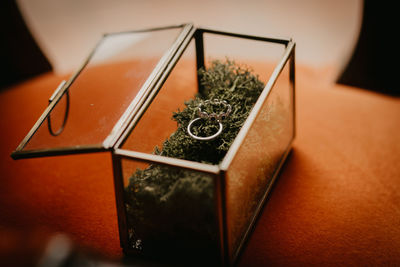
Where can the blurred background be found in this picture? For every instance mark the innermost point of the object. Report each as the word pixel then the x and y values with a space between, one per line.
pixel 326 32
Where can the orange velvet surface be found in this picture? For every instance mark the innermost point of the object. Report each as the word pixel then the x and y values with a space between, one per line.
pixel 336 202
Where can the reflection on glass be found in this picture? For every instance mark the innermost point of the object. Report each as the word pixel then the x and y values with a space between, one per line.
pixel 255 163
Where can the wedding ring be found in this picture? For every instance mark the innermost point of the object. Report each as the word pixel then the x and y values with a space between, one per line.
pixel 214 117
pixel 206 138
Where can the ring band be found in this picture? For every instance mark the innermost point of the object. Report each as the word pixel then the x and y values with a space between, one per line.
pixel 206 138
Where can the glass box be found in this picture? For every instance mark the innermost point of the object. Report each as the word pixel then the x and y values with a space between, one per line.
pixel 179 197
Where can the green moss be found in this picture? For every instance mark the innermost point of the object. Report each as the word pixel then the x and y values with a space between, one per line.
pixel 166 204
pixel 224 81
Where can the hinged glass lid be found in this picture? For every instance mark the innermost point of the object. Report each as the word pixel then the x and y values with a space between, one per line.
pixel 90 111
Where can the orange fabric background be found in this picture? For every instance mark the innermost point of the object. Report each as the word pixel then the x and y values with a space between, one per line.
pixel 337 201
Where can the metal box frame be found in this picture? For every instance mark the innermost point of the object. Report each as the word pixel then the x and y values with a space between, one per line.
pixel 136 109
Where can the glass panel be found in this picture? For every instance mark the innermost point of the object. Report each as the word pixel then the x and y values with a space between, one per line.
pixel 170 212
pixel 156 125
pixel 260 56
pixel 250 173
pixel 104 89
